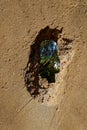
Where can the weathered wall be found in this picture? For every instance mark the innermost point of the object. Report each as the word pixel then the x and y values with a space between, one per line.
pixel 20 21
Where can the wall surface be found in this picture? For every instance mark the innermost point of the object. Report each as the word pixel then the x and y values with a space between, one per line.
pixel 20 22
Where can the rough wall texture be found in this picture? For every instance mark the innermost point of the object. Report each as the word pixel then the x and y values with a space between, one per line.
pixel 20 22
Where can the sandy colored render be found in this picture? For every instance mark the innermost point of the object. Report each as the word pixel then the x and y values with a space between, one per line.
pixel 20 22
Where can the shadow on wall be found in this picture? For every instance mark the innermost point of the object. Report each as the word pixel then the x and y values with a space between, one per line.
pixel 31 76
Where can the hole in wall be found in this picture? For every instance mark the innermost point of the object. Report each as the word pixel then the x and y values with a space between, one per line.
pixel 49 60
pixel 45 57
pixel 33 68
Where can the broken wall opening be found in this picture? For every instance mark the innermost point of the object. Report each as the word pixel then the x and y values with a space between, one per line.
pixel 32 71
pixel 49 60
